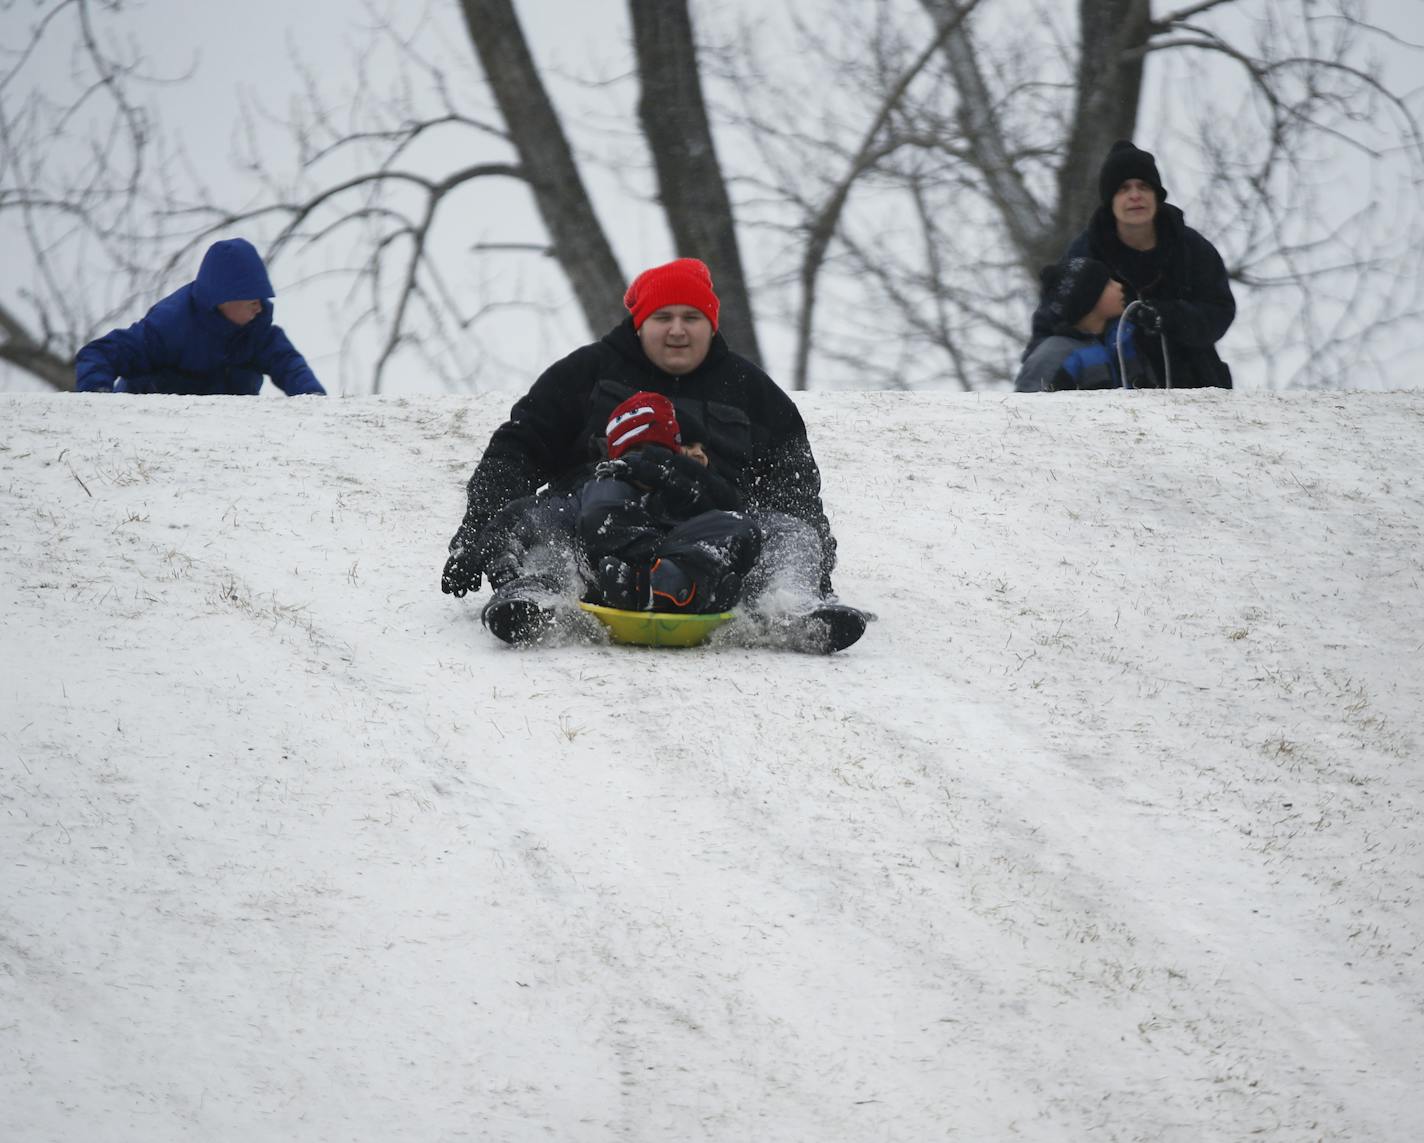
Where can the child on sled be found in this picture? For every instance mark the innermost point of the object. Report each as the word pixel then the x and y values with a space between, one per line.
pixel 658 529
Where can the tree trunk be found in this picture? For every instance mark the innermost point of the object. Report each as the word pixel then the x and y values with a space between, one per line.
pixel 578 240
pixel 690 184
pixel 1109 87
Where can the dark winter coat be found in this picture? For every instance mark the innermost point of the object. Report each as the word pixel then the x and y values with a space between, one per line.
pixel 753 431
pixel 634 502
pixel 1070 358
pixel 184 345
pixel 1183 277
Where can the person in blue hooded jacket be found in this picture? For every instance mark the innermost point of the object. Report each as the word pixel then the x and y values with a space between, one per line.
pixel 213 336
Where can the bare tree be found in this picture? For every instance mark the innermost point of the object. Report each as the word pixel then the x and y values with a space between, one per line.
pixel 526 134
pixel 900 183
pixel 824 222
pixel 374 183
pixel 535 130
pixel 691 187
pixel 994 145
pixel 22 350
pixel 83 168
pixel 378 178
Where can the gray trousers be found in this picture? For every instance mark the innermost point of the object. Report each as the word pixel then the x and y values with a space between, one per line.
pixel 541 558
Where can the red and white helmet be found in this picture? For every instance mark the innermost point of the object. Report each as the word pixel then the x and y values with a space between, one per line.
pixel 644 418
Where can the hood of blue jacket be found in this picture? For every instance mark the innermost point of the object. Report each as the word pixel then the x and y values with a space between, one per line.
pixel 232 271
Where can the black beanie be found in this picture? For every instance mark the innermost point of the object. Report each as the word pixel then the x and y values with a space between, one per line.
pixel 1125 162
pixel 1071 289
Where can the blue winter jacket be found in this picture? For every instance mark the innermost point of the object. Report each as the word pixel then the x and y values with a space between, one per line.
pixel 1069 358
pixel 184 345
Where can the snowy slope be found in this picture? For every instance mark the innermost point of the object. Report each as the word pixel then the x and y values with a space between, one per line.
pixel 1110 827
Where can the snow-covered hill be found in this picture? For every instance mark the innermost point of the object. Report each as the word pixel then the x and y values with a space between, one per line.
pixel 1110 828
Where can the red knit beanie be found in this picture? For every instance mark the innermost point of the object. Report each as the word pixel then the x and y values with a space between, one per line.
pixel 684 282
pixel 644 418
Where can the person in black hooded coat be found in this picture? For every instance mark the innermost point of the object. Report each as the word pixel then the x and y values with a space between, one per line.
pixel 1162 262
pixel 752 431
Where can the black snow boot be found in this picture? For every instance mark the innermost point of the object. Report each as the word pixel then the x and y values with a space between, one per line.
pixel 671 588
pixel 622 585
pixel 825 628
pixel 684 585
pixel 522 611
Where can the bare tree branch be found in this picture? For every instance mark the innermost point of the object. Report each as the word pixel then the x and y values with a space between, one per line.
pixel 821 227
pixel 1168 19
pixel 22 350
pixel 988 149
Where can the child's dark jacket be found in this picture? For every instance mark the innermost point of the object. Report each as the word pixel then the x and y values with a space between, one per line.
pixel 632 503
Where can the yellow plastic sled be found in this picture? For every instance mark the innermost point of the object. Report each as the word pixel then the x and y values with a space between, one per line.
pixel 656 628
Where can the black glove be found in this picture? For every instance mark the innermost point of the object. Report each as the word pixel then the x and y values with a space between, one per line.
pixel 648 466
pixel 676 480
pixel 468 554
pixel 461 574
pixel 1147 318
pixel 682 496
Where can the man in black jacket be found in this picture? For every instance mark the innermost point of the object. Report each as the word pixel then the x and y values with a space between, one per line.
pixel 752 431
pixel 1161 261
